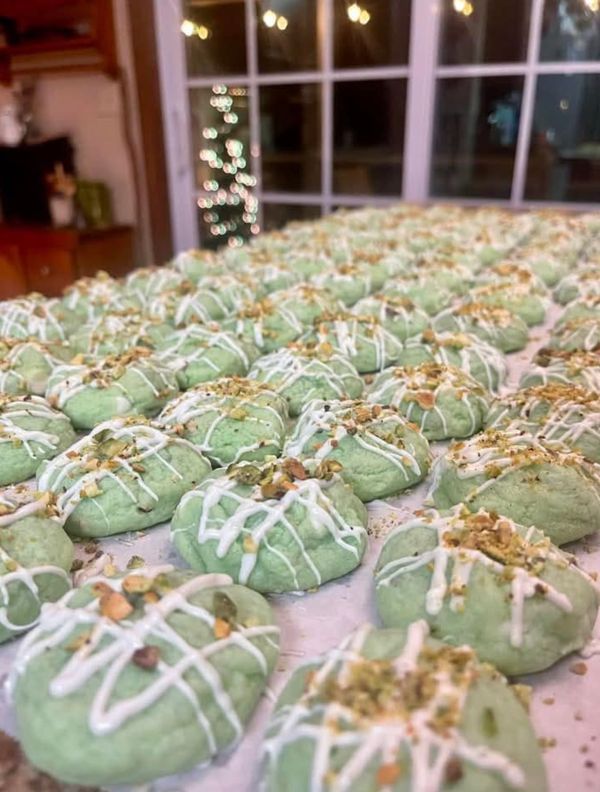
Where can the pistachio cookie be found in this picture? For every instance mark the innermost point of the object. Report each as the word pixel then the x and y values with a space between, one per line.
pixel 197 264
pixel 307 302
pixel 144 283
pixel 26 365
pixel 496 326
pixel 143 675
pixel 582 282
pixel 126 475
pixel 229 419
pixel 581 334
pixel 133 383
pixel 199 353
pixel 114 333
pixel 89 298
pixel 35 558
pixel 482 580
pixel 442 400
pixel 303 372
pixel 563 366
pixel 410 713
pixel 480 360
pixel 556 413
pixel 422 291
pixel 396 313
pixel 35 316
pixel 362 339
pixel 513 473
pixel 516 297
pixel 266 325
pixel 583 308
pixel 274 527
pixel 212 299
pixel 30 432
pixel 379 453
pixel 346 283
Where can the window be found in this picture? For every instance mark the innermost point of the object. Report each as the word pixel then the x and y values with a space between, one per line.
pixel 278 110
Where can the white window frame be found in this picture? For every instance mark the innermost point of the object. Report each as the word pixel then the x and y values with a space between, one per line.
pixel 422 74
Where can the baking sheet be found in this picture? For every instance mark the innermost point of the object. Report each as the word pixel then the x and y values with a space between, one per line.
pixel 565 706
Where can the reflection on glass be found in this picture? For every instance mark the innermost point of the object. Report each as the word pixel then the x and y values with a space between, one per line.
pixel 287 35
pixel 277 215
pixel 475 136
pixel 220 141
pixel 570 30
pixel 290 118
pixel 368 137
pixel 484 31
pixel 564 155
pixel 371 32
pixel 215 37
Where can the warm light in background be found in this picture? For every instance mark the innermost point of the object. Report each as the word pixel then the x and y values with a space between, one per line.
pixel 189 29
pixel 269 18
pixel 282 23
pixel 466 8
pixel 358 14
pixel 593 5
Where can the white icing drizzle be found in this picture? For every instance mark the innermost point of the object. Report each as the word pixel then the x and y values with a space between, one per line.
pixel 403 387
pixel 203 401
pixel 465 351
pixel 285 367
pixel 371 740
pixel 583 334
pixel 329 418
pixel 452 567
pixel 194 344
pixel 265 320
pixel 79 469
pixel 579 366
pixel 17 408
pixel 309 494
pixel 353 335
pixel 24 317
pixel 112 644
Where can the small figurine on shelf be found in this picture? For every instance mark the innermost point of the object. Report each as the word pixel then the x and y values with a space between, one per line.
pixel 62 196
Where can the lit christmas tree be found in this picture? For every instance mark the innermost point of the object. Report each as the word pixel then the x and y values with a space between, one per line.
pixel 230 208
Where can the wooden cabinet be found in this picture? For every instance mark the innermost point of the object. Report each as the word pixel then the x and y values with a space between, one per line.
pixel 47 260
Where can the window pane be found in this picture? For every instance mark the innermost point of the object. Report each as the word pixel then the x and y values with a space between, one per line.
pixel 570 31
pixel 369 137
pixel 220 134
pixel 475 136
pixel 287 35
pixel 484 31
pixel 215 37
pixel 371 33
pixel 277 215
pixel 564 156
pixel 290 118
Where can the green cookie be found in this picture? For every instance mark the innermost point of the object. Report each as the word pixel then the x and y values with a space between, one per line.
pixel 265 324
pixel 35 558
pixel 114 333
pixel 494 325
pixel 583 282
pixel 481 361
pixel 347 283
pixel 555 413
pixel 583 308
pixel 141 676
pixel 421 290
pixel 147 282
pixel 516 297
pixel 275 527
pixel 564 366
pixel 397 314
pixel 514 474
pixel 229 420
pixel 197 264
pixel 306 302
pixel 199 353
pixel 483 580
pixel 362 339
pixel 301 373
pixel 134 383
pixel 581 334
pixel 30 432
pixel 395 710
pixel 89 298
pixel 210 300
pixel 375 449
pixel 34 316
pixel 443 401
pixel 26 365
pixel 126 475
